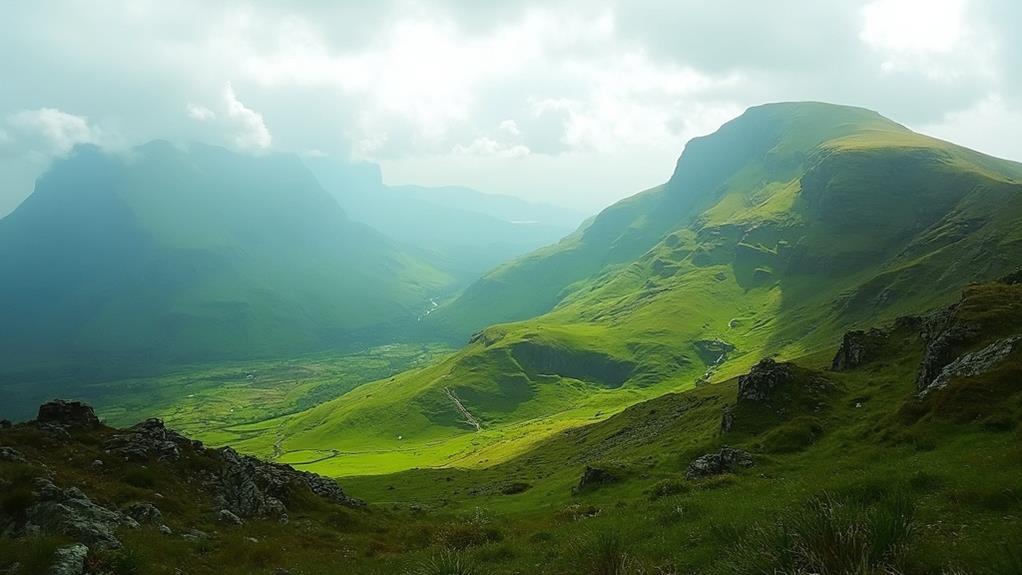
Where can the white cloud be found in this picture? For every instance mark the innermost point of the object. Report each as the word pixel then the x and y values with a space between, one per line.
pixel 989 126
pixel 485 146
pixel 252 133
pixel 200 113
pixel 50 130
pixel 510 127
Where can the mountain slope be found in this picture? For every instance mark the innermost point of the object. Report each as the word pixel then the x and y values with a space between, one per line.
pixel 790 225
pixel 459 230
pixel 164 255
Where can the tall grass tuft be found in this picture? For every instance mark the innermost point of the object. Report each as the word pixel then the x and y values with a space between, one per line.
pixel 828 536
pixel 446 562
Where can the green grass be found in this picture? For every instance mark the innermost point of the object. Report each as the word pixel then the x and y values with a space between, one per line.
pixel 789 226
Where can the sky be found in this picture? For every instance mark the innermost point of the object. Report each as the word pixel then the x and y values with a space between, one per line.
pixel 571 102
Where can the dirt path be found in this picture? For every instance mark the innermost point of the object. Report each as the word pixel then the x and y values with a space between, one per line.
pixel 469 418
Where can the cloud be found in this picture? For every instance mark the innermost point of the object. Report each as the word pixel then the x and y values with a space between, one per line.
pixel 251 133
pixel 51 131
pixel 486 146
pixel 200 113
pixel 990 126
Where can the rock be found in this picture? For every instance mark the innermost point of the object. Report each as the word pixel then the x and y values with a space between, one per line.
pixel 727 420
pixel 972 364
pixel 69 560
pixel 68 413
pixel 726 460
pixel 195 535
pixel 249 487
pixel 515 488
pixel 55 431
pixel 858 348
pixel 96 464
pixel 942 334
pixel 150 439
pixel 145 513
pixel 765 376
pixel 165 530
pixel 594 477
pixel 11 455
pixel 71 513
pixel 225 516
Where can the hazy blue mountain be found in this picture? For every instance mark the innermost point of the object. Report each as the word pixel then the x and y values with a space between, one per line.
pixel 460 230
pixel 164 255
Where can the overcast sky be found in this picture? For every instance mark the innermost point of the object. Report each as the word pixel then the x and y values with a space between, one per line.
pixel 573 102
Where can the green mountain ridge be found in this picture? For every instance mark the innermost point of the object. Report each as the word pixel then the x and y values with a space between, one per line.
pixel 790 225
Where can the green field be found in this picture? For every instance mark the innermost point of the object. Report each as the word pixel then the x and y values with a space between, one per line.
pixel 209 402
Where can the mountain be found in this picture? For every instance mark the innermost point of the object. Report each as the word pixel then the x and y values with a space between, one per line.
pixel 788 226
pixel 462 231
pixel 162 256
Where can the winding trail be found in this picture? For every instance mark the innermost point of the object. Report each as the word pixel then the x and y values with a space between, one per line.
pixel 469 418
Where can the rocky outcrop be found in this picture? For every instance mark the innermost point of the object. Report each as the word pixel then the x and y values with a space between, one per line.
pixel 763 379
pixel 145 513
pixel 726 460
pixel 250 487
pixel 74 414
pixel 942 336
pixel 69 560
pixel 858 348
pixel 973 364
pixel 594 477
pixel 148 440
pixel 71 513
pixel 11 455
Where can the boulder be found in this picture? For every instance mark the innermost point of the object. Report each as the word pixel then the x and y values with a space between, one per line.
pixel 765 376
pixel 145 513
pixel 68 413
pixel 942 335
pixel 250 487
pixel 71 513
pixel 726 460
pixel 594 477
pixel 69 560
pixel 149 440
pixel 973 364
pixel 11 455
pixel 225 516
pixel 858 348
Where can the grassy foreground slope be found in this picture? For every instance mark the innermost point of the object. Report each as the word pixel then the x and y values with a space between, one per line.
pixel 846 472
pixel 123 263
pixel 791 224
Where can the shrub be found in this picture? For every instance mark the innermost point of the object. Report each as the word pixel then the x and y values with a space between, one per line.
pixel 603 553
pixel 446 562
pixel 828 536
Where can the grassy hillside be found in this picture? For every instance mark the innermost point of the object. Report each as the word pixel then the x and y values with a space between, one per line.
pixel 846 472
pixel 119 264
pixel 790 225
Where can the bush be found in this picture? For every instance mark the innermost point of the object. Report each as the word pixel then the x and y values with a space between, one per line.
pixel 828 536
pixel 603 553
pixel 446 562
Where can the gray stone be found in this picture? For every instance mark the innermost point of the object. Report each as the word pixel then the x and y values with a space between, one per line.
pixel 165 530
pixel 71 513
pixel 11 455
pixel 762 379
pixel 145 513
pixel 225 516
pixel 726 460
pixel 68 413
pixel 148 440
pixel 973 364
pixel 69 560
pixel 594 477
pixel 858 348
